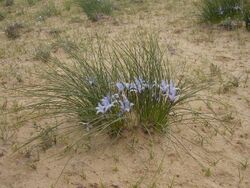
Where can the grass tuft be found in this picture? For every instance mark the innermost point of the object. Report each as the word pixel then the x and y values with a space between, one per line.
pixel 9 2
pixel 2 16
pixel 43 53
pixel 95 9
pixel 48 10
pixel 247 19
pixel 230 13
pixel 217 10
pixel 12 31
pixel 111 88
pixel 32 2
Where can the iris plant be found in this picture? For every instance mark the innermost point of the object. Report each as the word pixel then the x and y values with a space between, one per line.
pixel 138 86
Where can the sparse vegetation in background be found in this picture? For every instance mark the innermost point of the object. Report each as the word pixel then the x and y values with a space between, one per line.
pixel 43 53
pixel 228 12
pixel 55 32
pixel 6 133
pixel 48 10
pixel 230 24
pixel 67 45
pixel 96 9
pixel 217 10
pixel 67 4
pixel 48 136
pixel 9 2
pixel 12 31
pixel 32 2
pixel 2 16
pixel 8 123
pixel 108 89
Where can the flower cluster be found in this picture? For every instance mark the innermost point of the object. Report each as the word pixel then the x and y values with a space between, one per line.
pixel 166 89
pixel 139 85
pixel 113 101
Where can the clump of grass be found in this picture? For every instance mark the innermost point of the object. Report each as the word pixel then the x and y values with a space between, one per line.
pixel 247 19
pixel 217 10
pixel 48 137
pixel 231 13
pixel 65 44
pixel 67 5
pixel 230 24
pixel 43 53
pixel 12 31
pixel 95 9
pixel 9 2
pixel 7 130
pixel 108 89
pixel 48 10
pixel 2 16
pixel 32 2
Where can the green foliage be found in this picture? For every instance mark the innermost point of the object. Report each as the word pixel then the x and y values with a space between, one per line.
pixel 247 18
pixel 75 89
pixel 95 9
pixel 67 4
pixel 144 60
pixel 217 10
pixel 2 16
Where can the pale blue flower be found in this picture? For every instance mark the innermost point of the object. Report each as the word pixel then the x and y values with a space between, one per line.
pixel 164 87
pixel 100 109
pixel 125 104
pixel 105 105
pixel 172 92
pixel 140 84
pixel 132 87
pixel 137 86
pixel 120 86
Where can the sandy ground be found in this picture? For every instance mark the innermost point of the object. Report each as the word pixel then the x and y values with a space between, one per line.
pixel 134 160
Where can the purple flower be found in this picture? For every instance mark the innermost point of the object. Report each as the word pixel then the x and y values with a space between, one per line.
pixel 140 84
pixel 125 104
pixel 164 87
pixel 120 86
pixel 105 105
pixel 172 92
